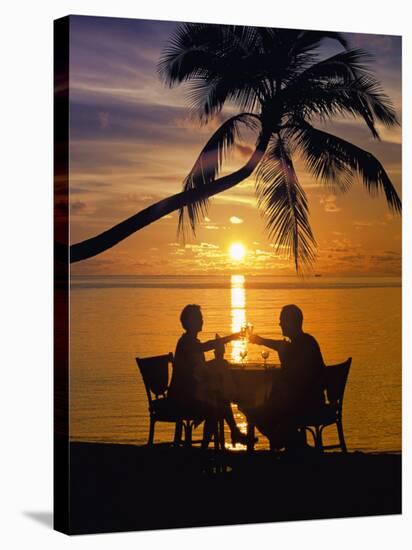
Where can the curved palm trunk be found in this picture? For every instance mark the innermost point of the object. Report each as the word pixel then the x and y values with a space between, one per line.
pixel 95 245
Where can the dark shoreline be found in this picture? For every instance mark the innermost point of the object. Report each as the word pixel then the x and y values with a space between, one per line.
pixel 126 488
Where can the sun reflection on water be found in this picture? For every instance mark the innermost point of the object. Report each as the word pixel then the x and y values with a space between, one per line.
pixel 238 313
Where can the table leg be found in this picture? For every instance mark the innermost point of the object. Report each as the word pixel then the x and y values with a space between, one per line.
pixel 250 436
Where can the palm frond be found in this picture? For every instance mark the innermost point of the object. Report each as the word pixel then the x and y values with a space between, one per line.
pixel 343 66
pixel 206 96
pixel 296 48
pixel 284 53
pixel 329 156
pixel 209 163
pixel 284 204
pixel 233 63
pixel 360 97
pixel 324 162
pixel 189 53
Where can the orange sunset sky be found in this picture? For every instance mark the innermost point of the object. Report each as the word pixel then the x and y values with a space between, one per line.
pixel 133 142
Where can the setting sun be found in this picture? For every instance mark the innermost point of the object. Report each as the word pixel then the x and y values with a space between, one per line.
pixel 237 251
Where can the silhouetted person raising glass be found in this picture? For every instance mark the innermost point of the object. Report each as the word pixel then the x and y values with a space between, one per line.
pixel 190 371
pixel 300 388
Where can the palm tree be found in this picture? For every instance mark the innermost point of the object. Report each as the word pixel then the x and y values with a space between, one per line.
pixel 282 89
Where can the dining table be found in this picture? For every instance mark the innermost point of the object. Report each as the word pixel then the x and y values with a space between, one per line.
pixel 250 385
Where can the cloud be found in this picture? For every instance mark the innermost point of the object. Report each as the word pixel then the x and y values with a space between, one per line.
pixel 235 220
pixel 141 122
pixel 359 224
pixel 77 206
pixel 104 119
pixel 329 203
pixel 381 43
pixel 244 150
pixel 245 199
pixel 387 257
pixel 82 185
pixel 202 246
pixel 141 263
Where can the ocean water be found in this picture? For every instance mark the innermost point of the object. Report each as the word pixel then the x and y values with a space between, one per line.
pixel 117 318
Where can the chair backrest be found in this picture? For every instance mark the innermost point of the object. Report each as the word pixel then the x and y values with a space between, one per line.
pixel 336 377
pixel 155 373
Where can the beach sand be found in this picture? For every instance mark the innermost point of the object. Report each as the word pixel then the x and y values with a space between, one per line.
pixel 125 487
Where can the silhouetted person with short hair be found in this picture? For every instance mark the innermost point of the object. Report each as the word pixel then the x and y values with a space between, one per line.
pixel 190 371
pixel 300 388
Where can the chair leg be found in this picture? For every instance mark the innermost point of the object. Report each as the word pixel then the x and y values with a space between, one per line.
pixel 209 433
pixel 341 436
pixel 178 433
pixel 251 437
pixel 188 433
pixel 319 439
pixel 216 439
pixel 151 432
pixel 221 432
pixel 303 436
pixel 221 464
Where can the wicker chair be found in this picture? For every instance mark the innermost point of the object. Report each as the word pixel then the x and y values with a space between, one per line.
pixel 155 374
pixel 331 414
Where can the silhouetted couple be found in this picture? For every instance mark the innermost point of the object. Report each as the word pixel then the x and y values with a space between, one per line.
pixel 194 385
pixel 298 391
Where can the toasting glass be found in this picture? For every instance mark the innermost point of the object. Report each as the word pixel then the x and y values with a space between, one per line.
pixel 243 355
pixel 265 355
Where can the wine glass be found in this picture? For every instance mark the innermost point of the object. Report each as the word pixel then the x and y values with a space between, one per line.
pixel 265 355
pixel 249 330
pixel 243 355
